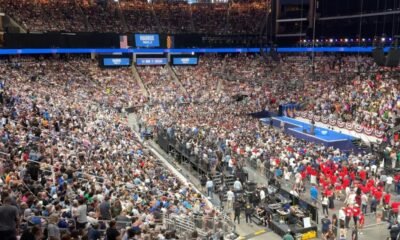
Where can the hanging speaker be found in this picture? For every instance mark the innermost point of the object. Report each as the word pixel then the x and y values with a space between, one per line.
pixel 379 56
pixel 393 58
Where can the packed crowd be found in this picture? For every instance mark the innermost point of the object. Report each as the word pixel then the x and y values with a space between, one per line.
pixel 45 15
pixel 72 166
pixel 70 162
pixel 160 85
pixel 137 16
pixel 369 100
pixel 217 129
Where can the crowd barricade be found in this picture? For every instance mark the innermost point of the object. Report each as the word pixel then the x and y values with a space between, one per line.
pixel 203 225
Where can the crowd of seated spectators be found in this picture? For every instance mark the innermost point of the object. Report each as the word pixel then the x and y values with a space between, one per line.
pixel 72 165
pixel 102 17
pixel 218 131
pixel 174 17
pixel 210 18
pixel 43 15
pixel 138 15
pixel 247 18
pixel 201 81
pixel 160 84
pixel 69 155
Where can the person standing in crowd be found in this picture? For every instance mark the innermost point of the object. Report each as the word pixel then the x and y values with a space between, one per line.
pixel 105 209
pixel 203 181
pixel 325 203
pixel 230 198
pixel 314 194
pixel 394 230
pixel 342 217
pixel 262 195
pixel 373 205
pixel 349 214
pixel 389 183
pixel 326 223
pixel 330 235
pixel 93 232
pixel 9 220
pixel 237 208
pixel 334 224
pixel 112 233
pixel 237 186
pixel 210 187
pixel 81 218
pixel 34 233
pixel 288 236
pixel 248 211
pixel 364 203
pixel 356 211
pixel 53 232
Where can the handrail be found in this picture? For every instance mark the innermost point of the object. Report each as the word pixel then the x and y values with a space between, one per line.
pixel 176 79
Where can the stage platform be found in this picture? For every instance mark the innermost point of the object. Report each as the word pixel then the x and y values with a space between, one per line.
pixel 301 130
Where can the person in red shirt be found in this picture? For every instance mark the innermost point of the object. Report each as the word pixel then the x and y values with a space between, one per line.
pixel 361 220
pixel 346 182
pixel 349 213
pixel 378 195
pixel 356 211
pixel 386 198
pixel 363 175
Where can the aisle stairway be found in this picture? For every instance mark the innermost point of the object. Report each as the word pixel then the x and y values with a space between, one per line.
pixel 139 80
pixel 175 77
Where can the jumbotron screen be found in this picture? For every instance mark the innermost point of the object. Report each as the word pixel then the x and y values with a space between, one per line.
pixel 147 40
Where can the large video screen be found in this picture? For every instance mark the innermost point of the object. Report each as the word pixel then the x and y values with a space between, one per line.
pixel 151 61
pixel 185 60
pixel 147 40
pixel 116 61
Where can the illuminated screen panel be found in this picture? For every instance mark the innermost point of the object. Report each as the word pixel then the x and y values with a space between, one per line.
pixel 147 40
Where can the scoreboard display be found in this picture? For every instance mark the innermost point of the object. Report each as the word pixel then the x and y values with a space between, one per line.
pixel 110 61
pixel 185 60
pixel 151 61
pixel 147 40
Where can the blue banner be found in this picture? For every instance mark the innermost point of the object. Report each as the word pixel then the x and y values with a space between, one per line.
pixel 147 40
pixel 151 61
pixel 116 61
pixel 183 50
pixel 184 60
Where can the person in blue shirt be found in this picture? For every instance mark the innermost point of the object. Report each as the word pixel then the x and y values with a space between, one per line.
pixel 314 194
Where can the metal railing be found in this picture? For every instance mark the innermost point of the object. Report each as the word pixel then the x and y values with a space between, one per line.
pixel 203 225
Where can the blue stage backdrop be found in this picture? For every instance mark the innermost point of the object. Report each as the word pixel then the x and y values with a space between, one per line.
pixel 301 130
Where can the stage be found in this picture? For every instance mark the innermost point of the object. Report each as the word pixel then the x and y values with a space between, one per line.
pixel 301 130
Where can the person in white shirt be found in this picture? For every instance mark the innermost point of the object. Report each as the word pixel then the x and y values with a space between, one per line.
pixel 389 183
pixel 373 169
pixel 81 217
pixel 364 203
pixel 262 195
pixel 324 203
pixel 237 186
pixel 230 199
pixel 210 187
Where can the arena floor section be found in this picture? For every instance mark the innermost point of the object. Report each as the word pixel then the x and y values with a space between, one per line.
pixel 301 130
